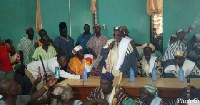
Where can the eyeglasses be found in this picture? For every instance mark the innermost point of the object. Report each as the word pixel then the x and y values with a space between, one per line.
pixel 178 57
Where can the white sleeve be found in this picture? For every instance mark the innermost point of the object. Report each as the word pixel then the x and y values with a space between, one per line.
pixel 33 68
pixel 68 75
pixel 51 67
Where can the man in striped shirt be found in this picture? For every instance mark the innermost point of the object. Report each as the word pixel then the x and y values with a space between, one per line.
pixel 176 42
pixel 47 51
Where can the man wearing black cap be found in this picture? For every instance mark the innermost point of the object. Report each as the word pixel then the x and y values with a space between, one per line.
pixel 104 94
pixel 64 43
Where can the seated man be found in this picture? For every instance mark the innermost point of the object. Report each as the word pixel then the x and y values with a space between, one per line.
pixel 149 61
pixel 176 43
pixel 63 95
pixel 77 63
pixel 104 94
pixel 80 62
pixel 188 66
pixel 148 96
pixel 11 93
pixel 59 61
pixel 120 54
pixel 40 42
pixel 46 51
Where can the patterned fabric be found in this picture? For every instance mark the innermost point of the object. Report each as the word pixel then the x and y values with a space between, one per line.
pixel 97 43
pixel 76 65
pixel 144 67
pixel 156 53
pixel 178 45
pixel 152 89
pixel 148 45
pixel 65 91
pixel 82 40
pixel 51 53
pixel 97 93
pixel 189 68
pixel 95 71
pixel 130 101
pixel 113 55
pixel 27 47
pixel 156 103
pixel 107 76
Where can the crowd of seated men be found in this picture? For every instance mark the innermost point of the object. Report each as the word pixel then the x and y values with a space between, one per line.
pixel 33 66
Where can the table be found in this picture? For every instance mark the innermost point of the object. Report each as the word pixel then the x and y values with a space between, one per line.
pixel 168 88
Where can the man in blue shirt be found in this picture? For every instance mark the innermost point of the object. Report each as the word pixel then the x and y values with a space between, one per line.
pixel 84 38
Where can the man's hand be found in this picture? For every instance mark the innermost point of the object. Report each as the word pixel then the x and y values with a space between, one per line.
pixel 102 101
pixel 112 44
pixel 51 82
pixel 38 80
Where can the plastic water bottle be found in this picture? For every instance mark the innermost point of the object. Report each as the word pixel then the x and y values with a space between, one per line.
pixel 132 75
pixel 154 76
pixel 181 75
pixel 84 75
pixel 57 72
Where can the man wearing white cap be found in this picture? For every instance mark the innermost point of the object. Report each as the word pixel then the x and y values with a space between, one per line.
pixel 188 66
pixel 26 45
pixel 80 61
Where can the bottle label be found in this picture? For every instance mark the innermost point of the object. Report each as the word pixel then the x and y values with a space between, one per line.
pixel 57 72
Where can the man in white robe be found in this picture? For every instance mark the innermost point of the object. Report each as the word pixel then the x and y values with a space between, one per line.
pixel 188 66
pixel 121 55
pixel 148 62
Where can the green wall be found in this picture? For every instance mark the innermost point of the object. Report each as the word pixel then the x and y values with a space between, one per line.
pixel 131 13
pixel 179 14
pixel 15 15
pixel 55 11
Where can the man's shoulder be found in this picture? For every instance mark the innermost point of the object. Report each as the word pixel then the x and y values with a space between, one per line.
pixel 57 38
pixel 70 38
pixel 38 48
pixel 51 47
pixel 80 36
pixel 104 37
pixel 24 38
